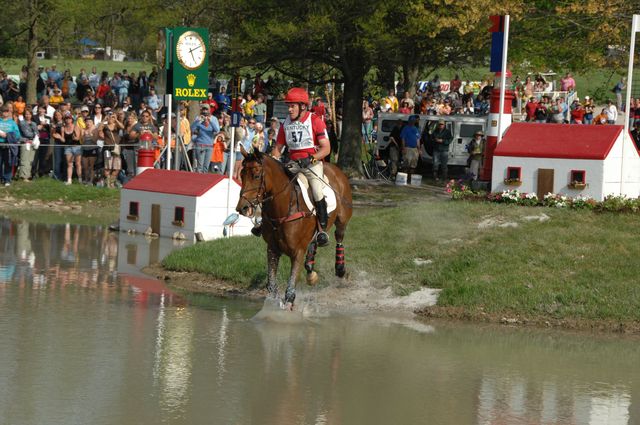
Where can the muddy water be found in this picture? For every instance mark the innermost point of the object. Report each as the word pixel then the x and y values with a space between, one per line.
pixel 86 339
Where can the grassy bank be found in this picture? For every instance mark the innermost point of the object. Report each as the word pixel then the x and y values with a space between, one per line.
pixel 490 261
pixel 45 200
pixel 14 65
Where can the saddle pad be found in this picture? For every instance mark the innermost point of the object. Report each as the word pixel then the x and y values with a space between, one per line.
pixel 329 194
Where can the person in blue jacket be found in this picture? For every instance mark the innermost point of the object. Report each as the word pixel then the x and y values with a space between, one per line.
pixel 203 132
pixel 9 133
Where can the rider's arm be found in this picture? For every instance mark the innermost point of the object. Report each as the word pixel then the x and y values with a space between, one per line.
pixel 324 149
pixel 280 143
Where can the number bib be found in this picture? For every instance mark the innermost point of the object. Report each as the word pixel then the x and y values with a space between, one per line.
pixel 299 135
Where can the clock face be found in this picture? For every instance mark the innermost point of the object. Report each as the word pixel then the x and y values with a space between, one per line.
pixel 191 50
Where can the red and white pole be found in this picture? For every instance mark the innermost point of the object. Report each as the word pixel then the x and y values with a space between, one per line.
pixel 496 123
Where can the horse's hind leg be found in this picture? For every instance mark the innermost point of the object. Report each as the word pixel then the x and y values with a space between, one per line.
pixel 273 259
pixel 309 262
pixel 340 264
pixel 290 294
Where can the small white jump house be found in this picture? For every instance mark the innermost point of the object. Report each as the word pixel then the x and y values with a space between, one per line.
pixel 179 204
pixel 567 159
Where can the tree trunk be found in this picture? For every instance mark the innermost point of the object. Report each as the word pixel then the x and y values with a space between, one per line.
pixel 350 158
pixel 32 48
pixel 386 77
pixel 410 70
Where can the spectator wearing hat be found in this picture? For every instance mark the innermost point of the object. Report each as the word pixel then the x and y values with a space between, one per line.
pixel 577 113
pixel 56 97
pixel 442 138
pixel 476 150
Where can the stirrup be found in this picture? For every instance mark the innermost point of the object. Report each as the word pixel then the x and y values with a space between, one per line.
pixel 256 230
pixel 322 238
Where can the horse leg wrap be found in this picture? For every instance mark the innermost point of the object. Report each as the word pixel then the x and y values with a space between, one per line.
pixel 290 296
pixel 340 267
pixel 310 260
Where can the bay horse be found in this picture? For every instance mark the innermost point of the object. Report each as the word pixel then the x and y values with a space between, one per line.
pixel 288 226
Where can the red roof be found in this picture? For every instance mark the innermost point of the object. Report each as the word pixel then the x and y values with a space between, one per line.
pixel 174 182
pixel 572 141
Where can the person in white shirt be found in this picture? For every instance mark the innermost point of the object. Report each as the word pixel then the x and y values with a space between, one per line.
pixel 612 112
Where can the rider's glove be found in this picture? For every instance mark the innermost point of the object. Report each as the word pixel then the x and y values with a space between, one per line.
pixel 305 162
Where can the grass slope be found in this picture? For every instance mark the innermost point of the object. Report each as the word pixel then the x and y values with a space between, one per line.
pixel 578 264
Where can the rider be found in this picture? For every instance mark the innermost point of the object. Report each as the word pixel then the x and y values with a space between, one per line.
pixel 305 136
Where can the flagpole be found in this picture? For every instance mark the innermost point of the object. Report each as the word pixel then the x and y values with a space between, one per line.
pixel 627 110
pixel 634 28
pixel 503 74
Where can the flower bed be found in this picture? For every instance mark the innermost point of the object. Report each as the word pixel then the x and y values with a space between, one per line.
pixel 458 189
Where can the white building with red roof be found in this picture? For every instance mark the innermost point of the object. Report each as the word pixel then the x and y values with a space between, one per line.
pixel 179 204
pixel 568 159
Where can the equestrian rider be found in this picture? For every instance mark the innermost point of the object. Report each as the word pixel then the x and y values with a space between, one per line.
pixel 305 136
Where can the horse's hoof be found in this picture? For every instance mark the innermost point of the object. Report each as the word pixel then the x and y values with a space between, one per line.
pixel 312 278
pixel 341 270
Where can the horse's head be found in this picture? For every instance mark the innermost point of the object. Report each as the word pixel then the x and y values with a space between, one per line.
pixel 253 185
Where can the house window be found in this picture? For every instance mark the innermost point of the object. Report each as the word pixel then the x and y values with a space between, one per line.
pixel 578 176
pixel 178 216
pixel 134 210
pixel 578 179
pixel 514 175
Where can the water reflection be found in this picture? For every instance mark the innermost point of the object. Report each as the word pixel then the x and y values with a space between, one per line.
pixel 86 338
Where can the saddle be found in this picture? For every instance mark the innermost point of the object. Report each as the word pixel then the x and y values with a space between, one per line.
pixel 330 196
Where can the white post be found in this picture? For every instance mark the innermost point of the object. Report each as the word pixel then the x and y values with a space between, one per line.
pixel 634 27
pixel 503 75
pixel 176 166
pixel 167 140
pixel 231 162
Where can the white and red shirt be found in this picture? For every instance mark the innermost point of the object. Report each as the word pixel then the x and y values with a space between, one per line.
pixel 303 135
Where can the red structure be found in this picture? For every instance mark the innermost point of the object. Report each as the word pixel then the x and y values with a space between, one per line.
pixel 492 123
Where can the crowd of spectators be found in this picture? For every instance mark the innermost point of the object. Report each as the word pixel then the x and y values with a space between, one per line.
pixel 89 127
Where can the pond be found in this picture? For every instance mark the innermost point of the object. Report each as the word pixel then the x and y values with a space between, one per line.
pixel 86 338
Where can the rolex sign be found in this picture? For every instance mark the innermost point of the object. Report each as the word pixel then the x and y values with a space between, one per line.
pixel 190 63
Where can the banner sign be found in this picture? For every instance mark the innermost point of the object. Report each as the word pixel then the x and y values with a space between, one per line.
pixel 190 63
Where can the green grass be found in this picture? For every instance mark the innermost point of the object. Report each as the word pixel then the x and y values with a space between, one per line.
pixel 45 200
pixel 14 65
pixel 47 189
pixel 596 83
pixel 579 264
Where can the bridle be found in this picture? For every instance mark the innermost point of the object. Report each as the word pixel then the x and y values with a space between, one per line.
pixel 260 192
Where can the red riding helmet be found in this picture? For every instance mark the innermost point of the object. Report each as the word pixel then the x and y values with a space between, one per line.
pixel 297 95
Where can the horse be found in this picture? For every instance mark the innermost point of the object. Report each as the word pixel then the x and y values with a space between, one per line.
pixel 288 226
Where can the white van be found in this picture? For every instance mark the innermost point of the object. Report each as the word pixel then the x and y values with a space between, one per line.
pixel 462 128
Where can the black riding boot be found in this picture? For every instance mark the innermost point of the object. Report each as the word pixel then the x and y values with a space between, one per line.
pixel 323 218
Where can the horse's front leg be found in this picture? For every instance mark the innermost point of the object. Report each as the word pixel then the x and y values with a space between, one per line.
pixel 290 294
pixel 273 259
pixel 309 262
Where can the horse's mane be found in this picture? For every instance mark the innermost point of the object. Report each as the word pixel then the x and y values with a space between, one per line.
pixel 261 158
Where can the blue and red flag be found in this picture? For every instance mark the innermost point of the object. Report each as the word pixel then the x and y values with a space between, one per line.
pixel 497 42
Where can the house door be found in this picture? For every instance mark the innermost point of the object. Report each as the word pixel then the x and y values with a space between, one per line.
pixel 545 182
pixel 155 218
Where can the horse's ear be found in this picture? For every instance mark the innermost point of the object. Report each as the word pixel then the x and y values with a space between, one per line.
pixel 243 151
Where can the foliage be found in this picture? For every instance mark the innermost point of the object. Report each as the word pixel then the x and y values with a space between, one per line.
pixel 458 189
